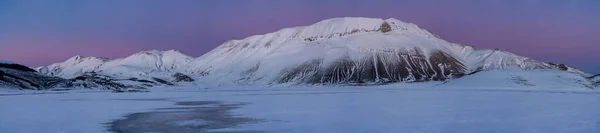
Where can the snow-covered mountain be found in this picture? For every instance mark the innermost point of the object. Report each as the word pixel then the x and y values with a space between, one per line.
pixel 143 64
pixel 352 50
pixel 333 51
pixel 16 76
pixel 73 67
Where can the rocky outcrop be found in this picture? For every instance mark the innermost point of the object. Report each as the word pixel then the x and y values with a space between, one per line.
pixel 180 77
pixel 385 27
pixel 22 77
pixel 93 80
pixel 377 69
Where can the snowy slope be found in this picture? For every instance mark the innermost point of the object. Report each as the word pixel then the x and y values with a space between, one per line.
pixel 596 80
pixel 22 77
pixel 351 50
pixel 522 80
pixel 16 76
pixel 140 65
pixel 73 67
pixel 147 63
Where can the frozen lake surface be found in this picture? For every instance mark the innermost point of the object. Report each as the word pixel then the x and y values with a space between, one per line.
pixel 303 110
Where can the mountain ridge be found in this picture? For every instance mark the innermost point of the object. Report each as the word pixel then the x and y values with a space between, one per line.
pixel 358 50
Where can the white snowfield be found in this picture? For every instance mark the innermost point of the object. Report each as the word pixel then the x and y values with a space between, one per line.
pixel 314 110
pixel 548 101
pixel 523 80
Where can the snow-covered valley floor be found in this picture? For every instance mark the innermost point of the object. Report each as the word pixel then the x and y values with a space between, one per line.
pixel 303 110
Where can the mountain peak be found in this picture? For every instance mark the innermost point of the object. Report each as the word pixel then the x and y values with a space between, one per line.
pixel 346 26
pixel 158 53
pixel 338 50
pixel 328 29
pixel 79 58
pixel 173 50
pixel 76 57
pixel 359 23
pixel 149 52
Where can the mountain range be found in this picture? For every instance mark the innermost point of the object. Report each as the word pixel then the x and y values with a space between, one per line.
pixel 338 51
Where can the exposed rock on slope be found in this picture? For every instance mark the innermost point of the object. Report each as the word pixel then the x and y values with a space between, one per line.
pixel 19 76
pixel 334 51
pixel 180 77
pixel 22 77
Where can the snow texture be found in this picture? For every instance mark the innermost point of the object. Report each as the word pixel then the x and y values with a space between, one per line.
pixel 143 64
pixel 522 80
pixel 320 109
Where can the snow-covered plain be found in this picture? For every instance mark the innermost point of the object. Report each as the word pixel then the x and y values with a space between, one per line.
pixel 317 109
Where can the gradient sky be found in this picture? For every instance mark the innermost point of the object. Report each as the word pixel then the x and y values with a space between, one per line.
pixel 40 32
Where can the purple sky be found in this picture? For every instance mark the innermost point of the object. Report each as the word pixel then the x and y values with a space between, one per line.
pixel 40 32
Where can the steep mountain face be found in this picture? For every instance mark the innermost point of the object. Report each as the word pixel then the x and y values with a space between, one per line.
pixel 145 64
pixel 597 76
pixel 355 51
pixel 351 50
pixel 19 76
pixel 595 79
pixel 73 67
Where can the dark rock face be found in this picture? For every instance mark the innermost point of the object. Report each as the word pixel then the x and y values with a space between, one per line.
pixel 563 67
pixel 93 80
pixel 559 66
pixel 385 27
pixel 377 69
pixel 162 81
pixel 18 76
pixel 17 67
pixel 180 77
pixel 22 77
